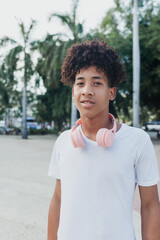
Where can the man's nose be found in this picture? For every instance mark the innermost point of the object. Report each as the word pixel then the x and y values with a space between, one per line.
pixel 87 90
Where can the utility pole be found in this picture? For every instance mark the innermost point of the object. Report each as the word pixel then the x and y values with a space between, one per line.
pixel 136 66
pixel 73 113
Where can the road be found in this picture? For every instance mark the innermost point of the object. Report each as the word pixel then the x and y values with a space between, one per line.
pixel 26 189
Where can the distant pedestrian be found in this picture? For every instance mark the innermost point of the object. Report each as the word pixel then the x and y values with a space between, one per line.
pixel 99 161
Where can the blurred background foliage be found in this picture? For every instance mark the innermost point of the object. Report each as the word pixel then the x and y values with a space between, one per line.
pixel 116 30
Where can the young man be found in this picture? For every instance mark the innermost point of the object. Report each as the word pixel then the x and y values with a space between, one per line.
pixel 98 163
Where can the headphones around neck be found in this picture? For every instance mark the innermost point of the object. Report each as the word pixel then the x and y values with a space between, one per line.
pixel 104 136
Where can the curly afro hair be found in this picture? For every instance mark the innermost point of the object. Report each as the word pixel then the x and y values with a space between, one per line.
pixel 92 53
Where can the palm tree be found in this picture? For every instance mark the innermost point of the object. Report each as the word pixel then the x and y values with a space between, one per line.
pixel 17 54
pixel 76 29
pixel 55 104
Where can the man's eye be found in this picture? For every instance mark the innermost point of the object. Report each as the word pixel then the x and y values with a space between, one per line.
pixel 79 83
pixel 97 83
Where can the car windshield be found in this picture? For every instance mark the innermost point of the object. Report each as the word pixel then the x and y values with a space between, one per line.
pixel 30 120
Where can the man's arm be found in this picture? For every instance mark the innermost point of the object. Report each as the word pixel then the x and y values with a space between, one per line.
pixel 54 212
pixel 150 213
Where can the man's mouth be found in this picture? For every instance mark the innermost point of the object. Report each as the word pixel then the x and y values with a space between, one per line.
pixel 87 101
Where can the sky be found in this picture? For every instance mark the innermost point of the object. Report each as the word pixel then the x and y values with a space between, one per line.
pixel 90 11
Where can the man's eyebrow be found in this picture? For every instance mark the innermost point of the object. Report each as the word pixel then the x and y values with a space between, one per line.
pixel 79 78
pixel 97 77
pixel 94 77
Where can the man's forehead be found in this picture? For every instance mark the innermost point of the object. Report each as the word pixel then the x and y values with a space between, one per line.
pixel 91 69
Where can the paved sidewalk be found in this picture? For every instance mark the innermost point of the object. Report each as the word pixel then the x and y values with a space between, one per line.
pixel 26 190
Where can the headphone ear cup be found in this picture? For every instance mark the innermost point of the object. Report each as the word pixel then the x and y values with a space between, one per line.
pixel 109 138
pixel 105 137
pixel 100 136
pixel 77 138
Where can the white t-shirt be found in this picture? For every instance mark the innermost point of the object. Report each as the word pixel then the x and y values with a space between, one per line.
pixel 98 184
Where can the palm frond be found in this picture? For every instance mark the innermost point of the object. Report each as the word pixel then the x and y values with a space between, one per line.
pixel 64 18
pixel 10 62
pixel 74 9
pixel 32 25
pixel 22 28
pixel 4 94
pixel 50 38
pixel 2 71
pixel 4 41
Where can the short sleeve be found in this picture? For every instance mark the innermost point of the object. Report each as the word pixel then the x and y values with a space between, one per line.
pixel 146 168
pixel 54 167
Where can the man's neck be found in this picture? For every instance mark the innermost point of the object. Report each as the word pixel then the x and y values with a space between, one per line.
pixel 91 126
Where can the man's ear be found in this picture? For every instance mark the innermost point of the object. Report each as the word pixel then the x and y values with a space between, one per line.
pixel 112 93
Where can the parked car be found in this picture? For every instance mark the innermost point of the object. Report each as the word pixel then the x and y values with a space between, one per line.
pixel 2 130
pixel 2 123
pixel 31 123
pixel 152 126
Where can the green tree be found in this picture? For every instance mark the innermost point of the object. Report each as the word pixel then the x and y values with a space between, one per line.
pixel 19 54
pixel 117 27
pixel 150 60
pixel 121 40
pixel 9 96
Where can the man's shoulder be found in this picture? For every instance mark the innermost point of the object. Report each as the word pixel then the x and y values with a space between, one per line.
pixel 135 132
pixel 65 135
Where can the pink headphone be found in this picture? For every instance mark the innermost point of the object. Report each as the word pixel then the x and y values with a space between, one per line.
pixel 104 136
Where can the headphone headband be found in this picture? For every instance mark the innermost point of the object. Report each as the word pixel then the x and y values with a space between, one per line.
pixel 104 136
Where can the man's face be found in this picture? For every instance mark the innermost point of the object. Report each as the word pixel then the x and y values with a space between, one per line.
pixel 91 93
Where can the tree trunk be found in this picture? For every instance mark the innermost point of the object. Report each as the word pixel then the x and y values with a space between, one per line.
pixel 24 111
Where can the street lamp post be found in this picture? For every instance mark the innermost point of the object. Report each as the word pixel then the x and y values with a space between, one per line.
pixel 136 66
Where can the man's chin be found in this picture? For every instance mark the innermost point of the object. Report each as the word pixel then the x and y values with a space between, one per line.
pixel 89 116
